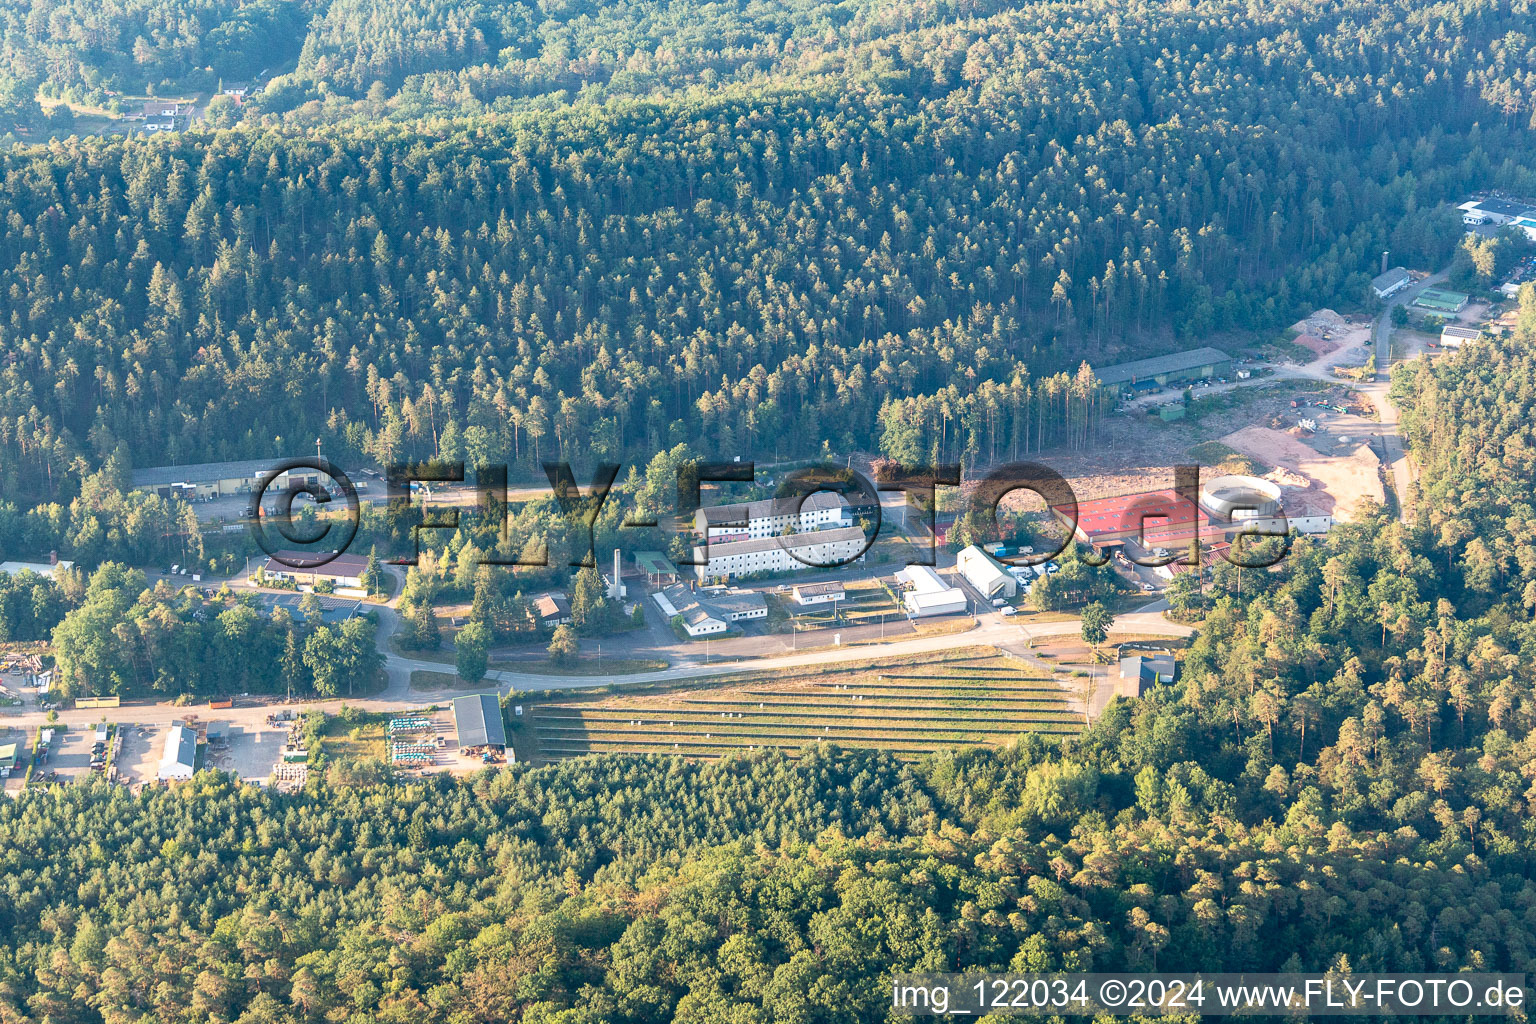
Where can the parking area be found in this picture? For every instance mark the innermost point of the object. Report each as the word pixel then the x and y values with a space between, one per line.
pixel 248 750
pixel 138 759
pixel 71 757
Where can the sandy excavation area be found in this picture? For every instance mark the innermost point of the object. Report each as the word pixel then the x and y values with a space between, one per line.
pixel 1338 482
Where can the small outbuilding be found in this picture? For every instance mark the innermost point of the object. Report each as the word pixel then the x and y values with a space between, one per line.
pixel 1140 672
pixel 1454 337
pixel 807 594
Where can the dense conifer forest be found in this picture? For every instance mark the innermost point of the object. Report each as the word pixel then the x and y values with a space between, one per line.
pixel 1340 778
pixel 930 223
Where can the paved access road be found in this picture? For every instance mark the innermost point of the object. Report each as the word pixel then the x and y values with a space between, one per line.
pixel 399 695
pixel 1396 456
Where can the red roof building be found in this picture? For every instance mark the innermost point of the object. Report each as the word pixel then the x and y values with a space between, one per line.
pixel 1160 516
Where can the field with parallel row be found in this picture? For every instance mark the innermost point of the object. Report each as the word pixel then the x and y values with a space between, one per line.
pixel 909 708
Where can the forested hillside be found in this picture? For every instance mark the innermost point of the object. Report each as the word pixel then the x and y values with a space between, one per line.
pixel 951 216
pixel 1340 778
pixel 506 232
pixel 90 49
pixel 1306 798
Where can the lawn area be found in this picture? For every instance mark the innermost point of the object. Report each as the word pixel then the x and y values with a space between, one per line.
pixel 442 656
pixel 908 706
pixel 356 740
pixel 423 679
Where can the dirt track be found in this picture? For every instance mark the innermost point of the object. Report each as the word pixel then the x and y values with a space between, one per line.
pixel 1342 480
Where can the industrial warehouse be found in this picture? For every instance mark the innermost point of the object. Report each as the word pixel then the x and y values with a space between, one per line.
pixel 1153 522
pixel 927 594
pixel 1161 371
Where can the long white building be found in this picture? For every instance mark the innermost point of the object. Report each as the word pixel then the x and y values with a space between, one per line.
pixel 774 553
pixel 180 758
pixel 928 594
pixel 771 517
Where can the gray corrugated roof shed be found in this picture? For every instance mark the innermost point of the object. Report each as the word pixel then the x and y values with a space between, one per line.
pixel 1171 363
pixel 478 719
pixel 1381 282
pixel 737 602
pixel 201 472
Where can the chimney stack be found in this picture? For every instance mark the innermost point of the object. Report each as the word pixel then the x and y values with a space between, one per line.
pixel 1384 262
pixel 53 558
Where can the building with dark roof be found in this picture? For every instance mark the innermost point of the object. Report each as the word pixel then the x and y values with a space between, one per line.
pixel 1140 672
pixel 775 553
pixel 180 758
pixel 736 605
pixel 217 479
pixel 341 570
pixel 550 610
pixel 1169 369
pixel 1452 337
pixel 818 593
pixel 706 612
pixel 477 718
pixel 770 517
pixel 1391 282
pixel 698 619
pixel 1499 211
pixel 333 610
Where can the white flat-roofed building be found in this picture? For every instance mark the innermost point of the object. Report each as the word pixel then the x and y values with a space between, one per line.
pixel 928 594
pixel 180 758
pixel 41 568
pixel 775 553
pixel 818 593
pixel 1492 211
pixel 985 574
